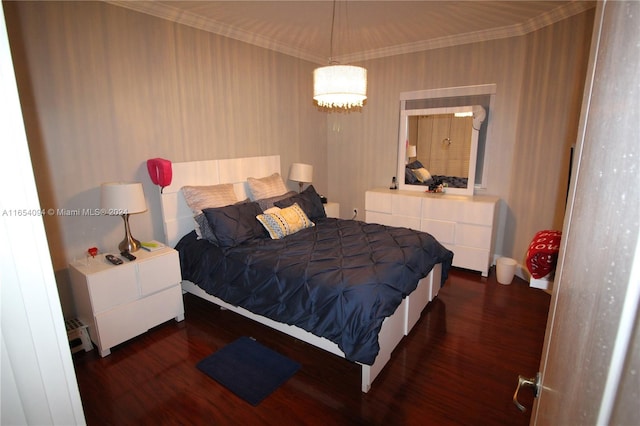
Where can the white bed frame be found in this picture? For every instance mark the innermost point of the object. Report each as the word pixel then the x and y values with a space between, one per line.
pixel 178 221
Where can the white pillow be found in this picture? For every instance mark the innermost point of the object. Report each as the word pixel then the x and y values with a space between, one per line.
pixel 266 187
pixel 204 197
pixel 421 174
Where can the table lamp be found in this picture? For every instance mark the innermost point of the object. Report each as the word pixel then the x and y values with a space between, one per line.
pixel 301 173
pixel 123 199
pixel 411 152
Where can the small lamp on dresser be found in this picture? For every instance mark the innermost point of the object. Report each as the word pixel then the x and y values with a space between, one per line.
pixel 411 152
pixel 301 173
pixel 123 199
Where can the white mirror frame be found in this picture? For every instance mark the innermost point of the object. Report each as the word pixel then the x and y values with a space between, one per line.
pixel 450 92
pixel 402 148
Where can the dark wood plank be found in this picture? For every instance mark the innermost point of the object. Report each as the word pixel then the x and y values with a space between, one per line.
pixel 458 366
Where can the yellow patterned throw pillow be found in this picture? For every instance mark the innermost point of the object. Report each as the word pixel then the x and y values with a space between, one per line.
pixel 282 222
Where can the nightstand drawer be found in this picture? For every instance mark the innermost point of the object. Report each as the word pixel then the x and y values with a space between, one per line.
pixel 118 325
pixel 163 306
pixel 128 321
pixel 158 273
pixel 113 287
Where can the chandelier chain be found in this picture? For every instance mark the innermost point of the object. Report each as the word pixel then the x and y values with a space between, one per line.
pixel 333 21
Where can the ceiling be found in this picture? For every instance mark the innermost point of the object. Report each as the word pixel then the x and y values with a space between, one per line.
pixel 362 29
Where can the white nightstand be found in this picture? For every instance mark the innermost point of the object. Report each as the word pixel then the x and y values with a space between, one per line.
pixel 332 209
pixel 119 302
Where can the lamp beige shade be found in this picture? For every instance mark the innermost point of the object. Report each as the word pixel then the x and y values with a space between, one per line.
pixel 300 172
pixel 411 151
pixel 119 198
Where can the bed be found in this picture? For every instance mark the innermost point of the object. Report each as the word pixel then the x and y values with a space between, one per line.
pixel 336 284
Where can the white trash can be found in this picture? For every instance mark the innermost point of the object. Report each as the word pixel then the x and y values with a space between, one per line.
pixel 505 270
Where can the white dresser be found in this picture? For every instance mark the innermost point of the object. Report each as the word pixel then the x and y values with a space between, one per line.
pixel 463 224
pixel 119 302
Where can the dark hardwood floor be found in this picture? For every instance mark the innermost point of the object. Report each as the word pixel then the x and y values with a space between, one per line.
pixel 459 366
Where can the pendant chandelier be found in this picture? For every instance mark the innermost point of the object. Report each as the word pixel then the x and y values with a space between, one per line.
pixel 339 86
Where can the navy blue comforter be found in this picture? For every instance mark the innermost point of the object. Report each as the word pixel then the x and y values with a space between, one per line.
pixel 339 279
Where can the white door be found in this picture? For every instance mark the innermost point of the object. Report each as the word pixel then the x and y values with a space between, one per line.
pixel 37 378
pixel 589 367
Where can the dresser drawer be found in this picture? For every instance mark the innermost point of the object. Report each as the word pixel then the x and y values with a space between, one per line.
pixel 477 213
pixel 406 222
pixel 407 206
pixel 377 217
pixel 377 202
pixel 393 220
pixel 460 211
pixel 471 258
pixel 444 232
pixel 473 236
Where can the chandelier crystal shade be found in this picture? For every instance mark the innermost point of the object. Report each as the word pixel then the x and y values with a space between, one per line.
pixel 340 86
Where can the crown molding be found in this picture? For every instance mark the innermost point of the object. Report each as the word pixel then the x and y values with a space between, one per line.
pixel 558 14
pixel 173 14
pixel 193 20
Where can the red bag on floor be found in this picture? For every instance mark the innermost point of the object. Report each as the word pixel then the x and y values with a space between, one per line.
pixel 542 254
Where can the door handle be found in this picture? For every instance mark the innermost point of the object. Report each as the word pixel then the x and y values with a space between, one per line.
pixel 533 382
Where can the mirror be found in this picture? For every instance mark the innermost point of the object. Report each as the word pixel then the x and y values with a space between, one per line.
pixel 443 130
pixel 439 145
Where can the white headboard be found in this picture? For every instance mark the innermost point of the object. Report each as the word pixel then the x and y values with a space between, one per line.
pixel 177 217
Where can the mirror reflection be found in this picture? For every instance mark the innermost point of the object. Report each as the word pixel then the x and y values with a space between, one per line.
pixel 439 146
